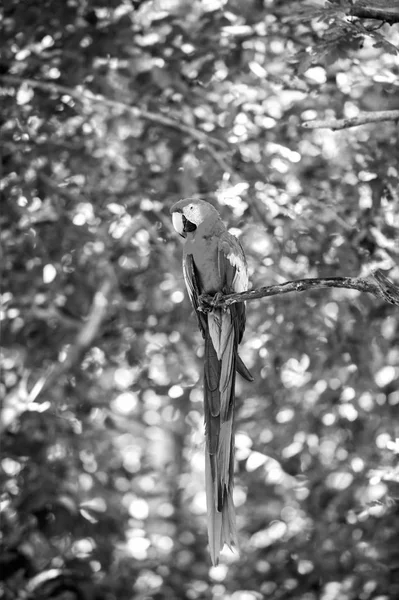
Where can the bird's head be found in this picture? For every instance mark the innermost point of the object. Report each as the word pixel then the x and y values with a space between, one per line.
pixel 188 214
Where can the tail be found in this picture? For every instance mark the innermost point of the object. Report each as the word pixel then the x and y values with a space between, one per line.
pixel 219 383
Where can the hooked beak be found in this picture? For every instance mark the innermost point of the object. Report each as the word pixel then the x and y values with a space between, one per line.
pixel 177 220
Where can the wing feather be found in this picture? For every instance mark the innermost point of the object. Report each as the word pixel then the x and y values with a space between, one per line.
pixel 191 280
pixel 232 264
pixel 233 268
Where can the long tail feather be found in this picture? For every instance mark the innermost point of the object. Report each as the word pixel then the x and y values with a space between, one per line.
pixel 222 527
pixel 219 383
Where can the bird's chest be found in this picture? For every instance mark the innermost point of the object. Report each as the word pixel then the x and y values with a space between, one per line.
pixel 205 254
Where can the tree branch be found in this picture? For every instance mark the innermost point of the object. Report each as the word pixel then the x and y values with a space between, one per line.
pixel 361 119
pixel 84 95
pixel 83 340
pixel 380 286
pixel 382 10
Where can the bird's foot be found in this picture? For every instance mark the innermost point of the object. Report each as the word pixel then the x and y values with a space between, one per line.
pixel 217 298
pixel 206 302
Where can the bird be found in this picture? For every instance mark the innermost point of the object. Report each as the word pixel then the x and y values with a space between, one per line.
pixel 214 263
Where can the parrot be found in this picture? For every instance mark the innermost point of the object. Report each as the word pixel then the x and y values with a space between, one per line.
pixel 214 263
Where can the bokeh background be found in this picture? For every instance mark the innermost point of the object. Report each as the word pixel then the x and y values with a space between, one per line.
pixel 110 112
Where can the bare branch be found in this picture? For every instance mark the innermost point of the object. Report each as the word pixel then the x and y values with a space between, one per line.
pixel 382 10
pixel 380 286
pixel 83 341
pixel 84 95
pixel 361 119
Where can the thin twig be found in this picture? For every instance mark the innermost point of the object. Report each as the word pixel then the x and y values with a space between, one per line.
pixel 84 95
pixel 361 119
pixel 382 10
pixel 83 341
pixel 381 287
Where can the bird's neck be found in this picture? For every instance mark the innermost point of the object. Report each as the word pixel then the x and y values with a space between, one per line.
pixel 209 226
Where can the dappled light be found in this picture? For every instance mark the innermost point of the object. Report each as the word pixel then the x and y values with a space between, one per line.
pixel 284 116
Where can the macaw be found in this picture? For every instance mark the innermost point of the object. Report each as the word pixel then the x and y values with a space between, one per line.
pixel 214 263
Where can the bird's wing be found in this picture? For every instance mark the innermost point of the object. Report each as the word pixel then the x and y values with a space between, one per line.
pixel 226 326
pixel 234 273
pixel 191 280
pixel 232 263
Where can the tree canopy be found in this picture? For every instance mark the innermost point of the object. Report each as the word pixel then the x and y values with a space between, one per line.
pixel 285 115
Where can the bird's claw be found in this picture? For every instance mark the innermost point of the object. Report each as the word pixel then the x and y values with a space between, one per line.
pixel 206 303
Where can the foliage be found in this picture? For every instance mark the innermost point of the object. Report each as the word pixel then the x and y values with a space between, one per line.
pixel 111 111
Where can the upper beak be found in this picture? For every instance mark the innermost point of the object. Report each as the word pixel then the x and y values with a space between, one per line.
pixel 177 220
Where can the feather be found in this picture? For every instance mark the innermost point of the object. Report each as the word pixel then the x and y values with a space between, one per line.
pixel 225 452
pixel 242 369
pixel 215 326
pixel 226 331
pixel 211 379
pixel 192 285
pixel 229 528
pixel 227 363
pixel 214 517
pixel 221 523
